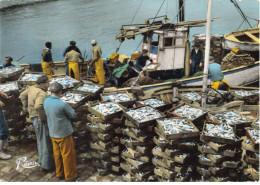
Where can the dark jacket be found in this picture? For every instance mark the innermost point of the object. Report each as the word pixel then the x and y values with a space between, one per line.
pixel 68 49
pixel 197 57
pixel 141 61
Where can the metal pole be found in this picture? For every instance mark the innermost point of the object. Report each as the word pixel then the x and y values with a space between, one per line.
pixel 181 13
pixel 206 61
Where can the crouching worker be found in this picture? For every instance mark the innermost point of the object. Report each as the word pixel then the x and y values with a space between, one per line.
pixel 216 76
pixel 59 116
pixel 4 132
pixel 32 99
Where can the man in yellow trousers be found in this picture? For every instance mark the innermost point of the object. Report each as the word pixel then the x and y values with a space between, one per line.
pixel 99 64
pixel 47 62
pixel 73 57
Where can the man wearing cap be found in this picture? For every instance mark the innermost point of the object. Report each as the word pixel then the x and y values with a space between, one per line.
pixel 72 58
pixel 99 64
pixel 59 115
pixel 141 60
pixel 4 132
pixel 68 49
pixel 196 59
pixel 47 62
pixel 216 76
pixel 8 62
pixel 32 99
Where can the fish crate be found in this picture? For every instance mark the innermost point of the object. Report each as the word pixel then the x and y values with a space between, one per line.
pixel 216 158
pixel 115 168
pixel 29 82
pixel 95 146
pixel 219 179
pixel 143 123
pixel 217 95
pixel 11 72
pixel 105 126
pixel 76 104
pixel 92 127
pixel 114 149
pixel 91 89
pixel 216 139
pixel 203 112
pixel 217 170
pixel 143 176
pixel 172 142
pixel 181 158
pixel 161 142
pixel 248 146
pixel 132 142
pixel 109 116
pixel 162 172
pixel 205 161
pixel 237 125
pixel 195 101
pixel 172 152
pixel 137 164
pixel 159 162
pixel 253 136
pixel 148 102
pixel 247 94
pixel 231 164
pixel 175 134
pixel 216 146
pixel 203 171
pixel 105 136
pixel 127 177
pixel 66 81
pixel 188 146
pixel 9 88
pixel 132 135
pixel 140 133
pixel 152 66
pixel 157 151
pixel 127 102
pixel 100 154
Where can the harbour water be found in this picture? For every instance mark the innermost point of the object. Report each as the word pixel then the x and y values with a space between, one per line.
pixel 24 30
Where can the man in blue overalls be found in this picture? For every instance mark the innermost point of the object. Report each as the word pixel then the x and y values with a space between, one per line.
pixel 196 59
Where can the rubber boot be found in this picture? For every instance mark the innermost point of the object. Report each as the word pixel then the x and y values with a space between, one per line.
pixel 3 155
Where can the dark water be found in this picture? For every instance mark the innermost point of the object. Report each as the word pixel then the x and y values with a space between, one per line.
pixel 23 31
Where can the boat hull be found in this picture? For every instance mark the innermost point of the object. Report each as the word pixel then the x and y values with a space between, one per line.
pixel 229 45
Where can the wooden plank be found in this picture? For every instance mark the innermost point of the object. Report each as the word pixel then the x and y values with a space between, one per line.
pixel 252 36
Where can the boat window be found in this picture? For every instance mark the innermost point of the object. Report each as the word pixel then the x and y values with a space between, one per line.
pixel 244 38
pixel 155 40
pixel 168 41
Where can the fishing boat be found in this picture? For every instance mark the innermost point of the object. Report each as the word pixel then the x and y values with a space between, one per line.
pixel 246 40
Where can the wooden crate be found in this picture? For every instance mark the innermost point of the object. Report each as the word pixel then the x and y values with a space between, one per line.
pixel 249 136
pixel 142 124
pixel 10 91
pixel 159 162
pixel 144 175
pixel 179 135
pixel 24 83
pixel 103 117
pixel 81 102
pixel 13 74
pixel 66 86
pixel 101 88
pixel 187 100
pixel 160 108
pixel 243 97
pixel 125 103
pixel 160 144
pixel 172 142
pixel 213 158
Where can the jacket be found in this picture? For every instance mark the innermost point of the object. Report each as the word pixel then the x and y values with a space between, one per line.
pixel 96 53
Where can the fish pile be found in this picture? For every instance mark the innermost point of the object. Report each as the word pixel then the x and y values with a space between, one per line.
pixel 175 126
pixel 9 87
pixel 66 82
pixel 153 102
pixel 222 131
pixel 231 118
pixel 107 108
pixel 151 66
pixel 192 96
pixel 72 98
pixel 245 93
pixel 254 133
pixel 30 77
pixel 117 98
pixel 10 70
pixel 189 112
pixel 144 114
pixel 88 88
pixel 219 91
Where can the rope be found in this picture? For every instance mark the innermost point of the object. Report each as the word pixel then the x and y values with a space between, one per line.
pixel 136 12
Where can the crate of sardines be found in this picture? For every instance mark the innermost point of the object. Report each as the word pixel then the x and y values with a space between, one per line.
pixel 217 93
pixel 176 128
pixel 74 99
pixel 190 97
pixel 123 98
pixel 10 72
pixel 9 88
pixel 155 103
pixel 232 118
pixel 255 123
pixel 143 116
pixel 219 133
pixel 253 136
pixel 66 81
pixel 244 94
pixel 92 89
pixel 106 110
pixel 29 78
pixel 152 66
pixel 189 111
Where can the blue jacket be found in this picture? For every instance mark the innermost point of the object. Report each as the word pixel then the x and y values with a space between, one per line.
pixel 68 49
pixel 7 65
pixel 58 115
pixel 215 72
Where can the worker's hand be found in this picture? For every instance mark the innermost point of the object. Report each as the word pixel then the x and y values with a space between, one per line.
pixel 190 61
pixel 4 95
pixel 142 68
pixel 200 65
pixel 2 104
pixel 52 64
pixel 39 119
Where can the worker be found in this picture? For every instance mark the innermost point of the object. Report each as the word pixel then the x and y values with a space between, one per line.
pixel 216 76
pixel 59 115
pixel 72 58
pixel 196 58
pixel 142 59
pixel 99 64
pixel 4 132
pixel 68 49
pixel 8 62
pixel 32 99
pixel 47 62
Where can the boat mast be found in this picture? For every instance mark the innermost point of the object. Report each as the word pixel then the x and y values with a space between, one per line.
pixel 181 12
pixel 206 61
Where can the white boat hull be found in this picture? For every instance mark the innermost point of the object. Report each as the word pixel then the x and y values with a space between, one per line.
pixel 229 45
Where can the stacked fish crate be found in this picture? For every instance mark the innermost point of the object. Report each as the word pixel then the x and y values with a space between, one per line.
pixel 248 96
pixel 220 148
pixel 27 79
pixel 11 110
pixel 250 148
pixel 174 154
pixel 11 73
pixel 138 139
pixel 104 126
